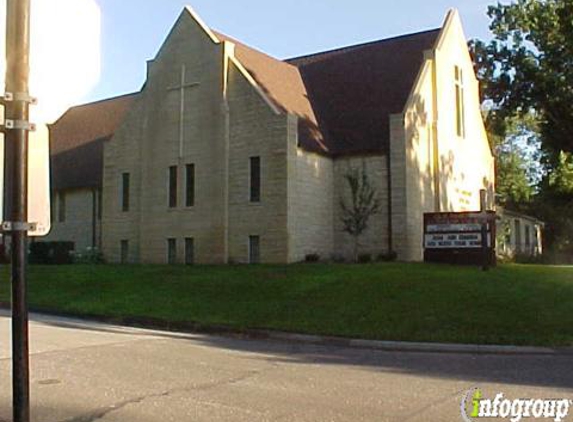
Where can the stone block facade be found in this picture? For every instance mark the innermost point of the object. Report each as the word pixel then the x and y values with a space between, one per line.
pixel 204 117
pixel 76 217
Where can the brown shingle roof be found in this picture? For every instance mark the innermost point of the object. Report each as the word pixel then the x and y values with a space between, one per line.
pixel 343 97
pixel 354 90
pixel 76 141
pixel 283 85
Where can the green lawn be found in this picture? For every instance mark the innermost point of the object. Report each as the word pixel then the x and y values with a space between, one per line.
pixel 513 304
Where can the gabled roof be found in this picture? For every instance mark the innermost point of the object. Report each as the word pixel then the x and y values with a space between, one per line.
pixel 76 141
pixel 343 98
pixel 87 122
pixel 354 90
pixel 282 84
pixel 509 213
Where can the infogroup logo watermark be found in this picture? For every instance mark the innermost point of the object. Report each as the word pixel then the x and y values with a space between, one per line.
pixel 475 406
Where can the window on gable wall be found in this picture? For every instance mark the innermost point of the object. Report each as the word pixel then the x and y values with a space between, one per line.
pixel 171 251
pixel 189 251
pixel 190 185
pixel 125 192
pixel 460 110
pixel 172 187
pixel 255 179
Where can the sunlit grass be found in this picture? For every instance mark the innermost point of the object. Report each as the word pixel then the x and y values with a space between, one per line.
pixel 512 304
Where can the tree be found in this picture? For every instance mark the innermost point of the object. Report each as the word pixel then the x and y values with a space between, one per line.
pixel 512 185
pixel 554 204
pixel 364 203
pixel 516 162
pixel 560 180
pixel 528 67
pixel 526 73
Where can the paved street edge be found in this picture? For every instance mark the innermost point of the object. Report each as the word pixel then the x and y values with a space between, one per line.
pixel 260 334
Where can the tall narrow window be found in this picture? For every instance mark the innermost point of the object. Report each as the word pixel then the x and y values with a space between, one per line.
pixel 255 194
pixel 125 192
pixel 460 111
pixel 173 187
pixel 124 251
pixel 254 249
pixel 190 185
pixel 189 251
pixel 61 206
pixel 171 251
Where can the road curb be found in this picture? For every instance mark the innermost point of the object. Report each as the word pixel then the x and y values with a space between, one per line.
pixel 259 334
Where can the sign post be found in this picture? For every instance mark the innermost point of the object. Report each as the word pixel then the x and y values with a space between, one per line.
pixel 484 229
pixel 465 238
pixel 16 129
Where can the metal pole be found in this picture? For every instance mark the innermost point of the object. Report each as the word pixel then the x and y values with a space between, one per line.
pixel 484 231
pixel 16 176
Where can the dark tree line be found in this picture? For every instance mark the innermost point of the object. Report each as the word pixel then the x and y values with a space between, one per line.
pixel 526 74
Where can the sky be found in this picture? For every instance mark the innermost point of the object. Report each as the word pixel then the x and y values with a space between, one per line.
pixel 64 70
pixel 133 30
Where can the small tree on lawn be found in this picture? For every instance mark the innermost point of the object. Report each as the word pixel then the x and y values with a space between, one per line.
pixel 363 204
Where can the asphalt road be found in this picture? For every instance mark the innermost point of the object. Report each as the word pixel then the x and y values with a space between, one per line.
pixel 83 372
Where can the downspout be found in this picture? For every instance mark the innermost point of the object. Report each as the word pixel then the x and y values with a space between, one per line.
pixel 228 52
pixel 99 217
pixel 94 218
pixel 435 144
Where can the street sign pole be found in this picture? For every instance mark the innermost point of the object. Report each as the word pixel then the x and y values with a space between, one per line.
pixel 484 230
pixel 16 127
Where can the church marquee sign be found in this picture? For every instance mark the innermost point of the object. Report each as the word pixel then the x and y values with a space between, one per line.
pixel 460 237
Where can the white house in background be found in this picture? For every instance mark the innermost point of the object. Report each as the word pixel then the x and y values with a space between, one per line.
pixel 518 234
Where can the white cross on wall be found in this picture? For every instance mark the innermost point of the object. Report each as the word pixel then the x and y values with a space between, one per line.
pixel 181 88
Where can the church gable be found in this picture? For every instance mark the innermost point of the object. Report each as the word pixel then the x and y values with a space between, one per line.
pixel 190 32
pixel 466 158
pixel 184 88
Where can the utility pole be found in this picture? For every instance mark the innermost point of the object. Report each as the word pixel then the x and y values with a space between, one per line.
pixel 16 129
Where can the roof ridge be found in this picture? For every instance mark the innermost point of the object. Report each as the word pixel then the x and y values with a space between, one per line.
pixel 360 45
pixel 229 38
pixel 92 103
pixel 103 100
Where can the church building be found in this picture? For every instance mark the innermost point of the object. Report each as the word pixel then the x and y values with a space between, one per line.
pixel 228 155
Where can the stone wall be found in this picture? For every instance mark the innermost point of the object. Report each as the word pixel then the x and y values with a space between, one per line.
pixel 122 154
pixel 374 240
pixel 256 131
pixel 78 226
pixel 225 123
pixel 227 120
pixel 435 169
pixel 148 143
pixel 310 196
pixel 466 164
